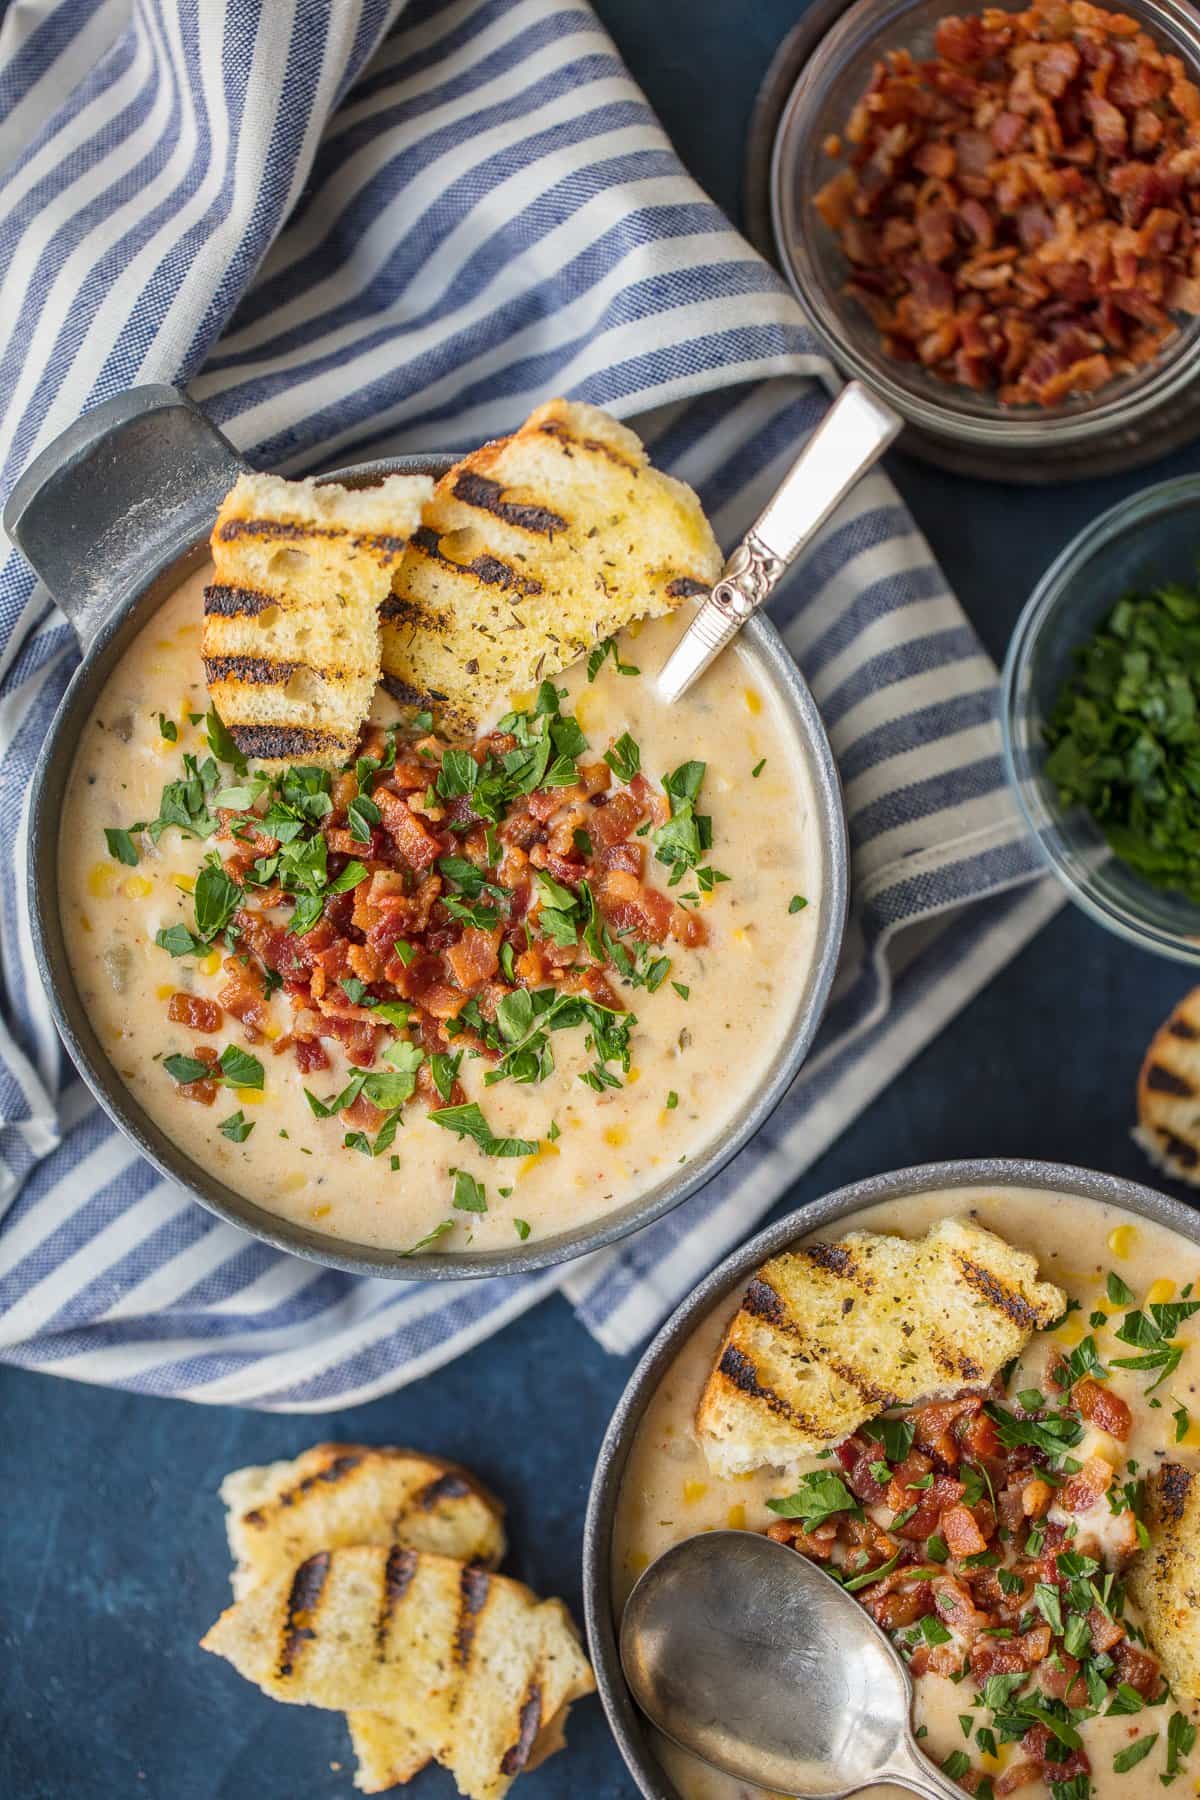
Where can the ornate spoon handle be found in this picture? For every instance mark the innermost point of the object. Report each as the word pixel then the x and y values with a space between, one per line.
pixel 854 433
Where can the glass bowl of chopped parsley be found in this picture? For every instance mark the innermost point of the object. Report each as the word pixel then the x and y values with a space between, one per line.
pixel 1101 718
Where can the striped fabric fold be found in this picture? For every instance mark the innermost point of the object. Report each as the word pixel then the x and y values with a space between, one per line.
pixel 370 228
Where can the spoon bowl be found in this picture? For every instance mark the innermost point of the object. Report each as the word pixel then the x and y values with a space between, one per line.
pixel 752 1658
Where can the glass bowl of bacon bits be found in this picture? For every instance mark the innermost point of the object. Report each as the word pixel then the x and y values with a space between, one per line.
pixel 994 216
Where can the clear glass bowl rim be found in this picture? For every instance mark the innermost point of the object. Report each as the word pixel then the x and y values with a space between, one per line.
pixel 1138 510
pixel 1161 382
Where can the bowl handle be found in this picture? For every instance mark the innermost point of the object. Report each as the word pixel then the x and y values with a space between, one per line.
pixel 117 497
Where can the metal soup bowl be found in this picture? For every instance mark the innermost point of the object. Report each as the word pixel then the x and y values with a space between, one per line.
pixel 631 1730
pixel 113 516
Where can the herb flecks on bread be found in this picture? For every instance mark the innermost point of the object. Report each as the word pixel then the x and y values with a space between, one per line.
pixel 291 639
pixel 1165 1579
pixel 532 550
pixel 830 1334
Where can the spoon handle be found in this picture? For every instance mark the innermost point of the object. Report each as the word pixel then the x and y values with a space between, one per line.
pixel 909 1769
pixel 854 433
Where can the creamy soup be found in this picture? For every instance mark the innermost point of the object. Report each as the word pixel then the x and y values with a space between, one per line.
pixel 668 1493
pixel 703 1037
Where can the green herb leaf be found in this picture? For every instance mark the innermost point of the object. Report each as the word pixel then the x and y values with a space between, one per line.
pixel 469 1194
pixel 1128 1759
pixel 797 903
pixel 624 758
pixel 185 1069
pixel 217 898
pixel 240 1069
pixel 431 1237
pixel 121 845
pixel 521 1228
pixel 236 1127
pixel 818 1496
pixel 468 1121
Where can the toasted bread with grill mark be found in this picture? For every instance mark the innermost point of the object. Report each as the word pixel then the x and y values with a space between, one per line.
pixel 532 550
pixel 336 1494
pixel 281 1513
pixel 1168 1093
pixel 1164 1581
pixel 468 1660
pixel 829 1334
pixel 291 640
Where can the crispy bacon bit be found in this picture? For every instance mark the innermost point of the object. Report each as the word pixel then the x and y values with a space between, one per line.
pixel 202 1091
pixel 195 1013
pixel 1007 202
pixel 1102 1407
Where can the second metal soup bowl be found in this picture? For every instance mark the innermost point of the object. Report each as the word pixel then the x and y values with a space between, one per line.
pixel 716 1295
pixel 113 516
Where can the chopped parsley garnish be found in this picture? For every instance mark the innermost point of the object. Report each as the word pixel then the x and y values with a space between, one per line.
pixel 758 768
pixel 521 1228
pixel 469 1194
pixel 431 1237
pixel 624 758
pixel 468 1121
pixel 1122 734
pixel 607 647
pixel 121 845
pixel 1128 1759
pixel 797 903
pixel 236 1127
pixel 818 1496
pixel 1118 1292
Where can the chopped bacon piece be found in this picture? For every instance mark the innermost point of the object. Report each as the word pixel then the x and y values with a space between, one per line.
pixel 363 1115
pixel 614 821
pixel 1082 1490
pixel 414 842
pixel 818 1543
pixel 1142 1672
pixel 475 957
pixel 963 1536
pixel 1036 1498
pixel 202 1091
pixel 310 1054
pixel 359 1040
pixel 195 1013
pixel 1102 1407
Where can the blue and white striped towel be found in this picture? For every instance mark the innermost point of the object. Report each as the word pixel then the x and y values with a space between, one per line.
pixel 366 228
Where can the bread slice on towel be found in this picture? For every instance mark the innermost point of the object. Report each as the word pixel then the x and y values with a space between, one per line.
pixel 291 640
pixel 532 550
pixel 1168 1093
pixel 469 1660
pixel 829 1335
pixel 1164 1581
pixel 279 1514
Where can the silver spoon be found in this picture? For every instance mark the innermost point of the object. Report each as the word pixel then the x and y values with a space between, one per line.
pixel 756 1661
pixel 852 436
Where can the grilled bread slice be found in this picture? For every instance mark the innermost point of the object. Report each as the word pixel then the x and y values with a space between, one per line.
pixel 336 1494
pixel 291 620
pixel 533 549
pixel 1164 1581
pixel 828 1335
pixel 470 1661
pixel 1168 1093
pixel 279 1514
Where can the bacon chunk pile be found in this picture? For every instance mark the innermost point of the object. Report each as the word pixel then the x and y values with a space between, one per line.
pixel 994 1558
pixel 1022 211
pixel 446 916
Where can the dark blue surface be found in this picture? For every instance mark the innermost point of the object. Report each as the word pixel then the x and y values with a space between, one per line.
pixel 113 1557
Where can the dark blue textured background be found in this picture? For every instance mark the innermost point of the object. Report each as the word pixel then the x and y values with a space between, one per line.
pixel 112 1554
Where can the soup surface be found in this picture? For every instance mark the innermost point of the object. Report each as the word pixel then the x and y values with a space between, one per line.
pixel 668 1492
pixel 702 1040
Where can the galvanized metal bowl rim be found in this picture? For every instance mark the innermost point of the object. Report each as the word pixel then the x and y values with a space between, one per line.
pixel 153 1144
pixel 1137 510
pixel 623 1717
